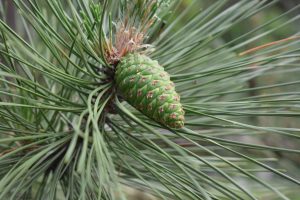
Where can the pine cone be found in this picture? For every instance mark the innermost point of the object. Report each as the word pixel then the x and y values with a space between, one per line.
pixel 147 87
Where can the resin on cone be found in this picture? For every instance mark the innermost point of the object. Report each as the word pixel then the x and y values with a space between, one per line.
pixel 146 86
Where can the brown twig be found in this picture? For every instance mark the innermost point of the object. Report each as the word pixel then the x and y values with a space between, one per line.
pixel 268 45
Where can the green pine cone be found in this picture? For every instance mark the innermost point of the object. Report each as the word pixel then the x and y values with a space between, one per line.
pixel 148 88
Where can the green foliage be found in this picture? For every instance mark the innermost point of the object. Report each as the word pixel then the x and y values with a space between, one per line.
pixel 65 132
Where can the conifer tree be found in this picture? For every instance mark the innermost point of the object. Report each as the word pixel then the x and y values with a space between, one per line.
pixel 154 95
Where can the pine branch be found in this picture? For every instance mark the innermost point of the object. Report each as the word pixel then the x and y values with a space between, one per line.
pixel 68 131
